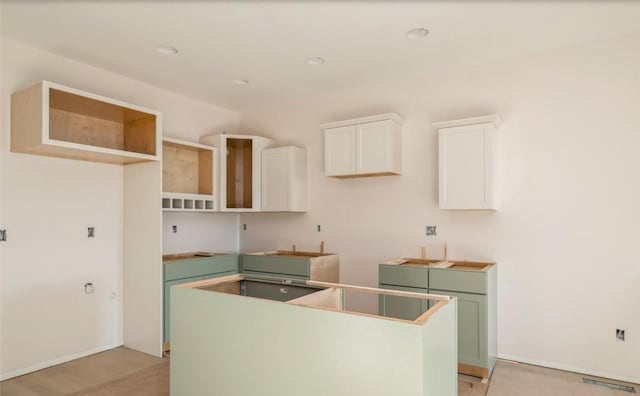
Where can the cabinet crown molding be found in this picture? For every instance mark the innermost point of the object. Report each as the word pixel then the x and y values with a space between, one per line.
pixel 494 119
pixel 395 117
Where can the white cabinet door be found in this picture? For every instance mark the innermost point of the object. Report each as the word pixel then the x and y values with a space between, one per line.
pixel 340 151
pixel 367 146
pixel 466 167
pixel 284 179
pixel 373 147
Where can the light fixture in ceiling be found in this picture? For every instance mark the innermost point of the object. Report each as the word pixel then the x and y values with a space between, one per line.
pixel 167 50
pixel 240 82
pixel 417 33
pixel 316 60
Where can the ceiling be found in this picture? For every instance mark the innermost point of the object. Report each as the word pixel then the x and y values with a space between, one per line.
pixel 267 42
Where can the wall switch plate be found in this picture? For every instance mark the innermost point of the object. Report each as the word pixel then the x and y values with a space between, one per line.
pixel 620 334
pixel 319 228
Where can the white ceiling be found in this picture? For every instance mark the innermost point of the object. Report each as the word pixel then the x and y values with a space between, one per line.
pixel 268 42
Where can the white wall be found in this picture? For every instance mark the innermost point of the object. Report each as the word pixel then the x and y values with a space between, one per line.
pixel 219 236
pixel 565 237
pixel 47 203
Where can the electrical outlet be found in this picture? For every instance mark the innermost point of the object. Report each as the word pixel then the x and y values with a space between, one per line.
pixel 91 232
pixel 620 334
pixel 319 228
pixel 174 229
pixel 244 227
pixel 430 230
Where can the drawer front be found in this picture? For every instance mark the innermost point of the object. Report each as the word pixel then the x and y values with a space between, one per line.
pixel 458 280
pixel 294 267
pixel 277 292
pixel 400 275
pixel 402 307
pixel 181 269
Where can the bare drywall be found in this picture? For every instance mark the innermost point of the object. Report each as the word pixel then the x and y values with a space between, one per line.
pixel 565 235
pixel 47 205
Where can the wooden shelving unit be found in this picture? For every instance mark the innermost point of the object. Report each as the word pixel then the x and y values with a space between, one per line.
pixel 53 120
pixel 187 176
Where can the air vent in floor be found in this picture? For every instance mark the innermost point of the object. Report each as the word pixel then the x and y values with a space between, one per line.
pixel 610 385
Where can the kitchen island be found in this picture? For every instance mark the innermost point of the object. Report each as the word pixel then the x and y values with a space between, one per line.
pixel 225 343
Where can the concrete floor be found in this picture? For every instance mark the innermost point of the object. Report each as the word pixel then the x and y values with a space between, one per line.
pixel 517 379
pixel 122 371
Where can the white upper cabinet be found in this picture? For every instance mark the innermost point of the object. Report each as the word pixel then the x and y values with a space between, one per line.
pixel 188 171
pixel 467 163
pixel 368 146
pixel 239 181
pixel 54 120
pixel 284 179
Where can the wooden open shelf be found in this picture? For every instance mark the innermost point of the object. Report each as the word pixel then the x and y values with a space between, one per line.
pixel 187 176
pixel 53 120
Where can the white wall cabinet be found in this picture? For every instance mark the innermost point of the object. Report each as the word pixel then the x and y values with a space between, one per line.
pixel 188 176
pixel 239 181
pixel 467 163
pixel 368 146
pixel 53 120
pixel 284 179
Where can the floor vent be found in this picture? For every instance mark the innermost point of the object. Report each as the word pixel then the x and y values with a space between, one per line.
pixel 609 385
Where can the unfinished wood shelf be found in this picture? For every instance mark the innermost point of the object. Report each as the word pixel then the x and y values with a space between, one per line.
pixel 187 176
pixel 53 120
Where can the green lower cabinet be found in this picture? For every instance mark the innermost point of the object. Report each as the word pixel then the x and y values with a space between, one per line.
pixel 475 287
pixel 402 307
pixel 472 327
pixel 167 298
pixel 191 268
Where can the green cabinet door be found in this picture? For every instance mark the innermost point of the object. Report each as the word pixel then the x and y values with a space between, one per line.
pixel 472 327
pixel 402 307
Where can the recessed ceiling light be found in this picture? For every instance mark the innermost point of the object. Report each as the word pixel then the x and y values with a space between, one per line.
pixel 240 82
pixel 316 60
pixel 167 50
pixel 417 33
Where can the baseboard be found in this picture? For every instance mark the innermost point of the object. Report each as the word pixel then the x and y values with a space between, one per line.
pixel 572 369
pixel 54 362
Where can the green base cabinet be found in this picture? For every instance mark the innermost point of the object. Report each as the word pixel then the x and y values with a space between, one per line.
pixel 404 278
pixel 402 307
pixel 475 287
pixel 188 268
pixel 290 265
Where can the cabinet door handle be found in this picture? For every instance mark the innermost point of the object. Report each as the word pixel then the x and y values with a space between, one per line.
pixel 284 290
